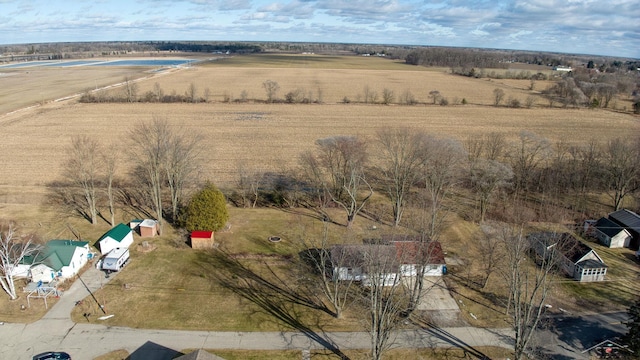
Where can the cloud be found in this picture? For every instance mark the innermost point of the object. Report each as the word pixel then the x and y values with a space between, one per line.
pixel 520 33
pixel 485 29
pixel 609 27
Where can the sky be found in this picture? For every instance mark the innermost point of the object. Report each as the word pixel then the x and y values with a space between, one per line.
pixel 598 27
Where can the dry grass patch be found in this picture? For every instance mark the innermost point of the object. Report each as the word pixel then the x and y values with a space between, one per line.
pixel 19 311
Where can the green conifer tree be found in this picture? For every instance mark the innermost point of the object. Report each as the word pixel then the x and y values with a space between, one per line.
pixel 207 210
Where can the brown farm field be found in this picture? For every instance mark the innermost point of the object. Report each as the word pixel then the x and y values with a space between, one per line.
pixel 257 134
pixel 267 136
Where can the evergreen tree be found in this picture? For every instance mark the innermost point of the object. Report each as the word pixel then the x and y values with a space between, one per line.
pixel 207 210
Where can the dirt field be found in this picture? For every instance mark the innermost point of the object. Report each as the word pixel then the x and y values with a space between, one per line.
pixel 333 85
pixel 263 136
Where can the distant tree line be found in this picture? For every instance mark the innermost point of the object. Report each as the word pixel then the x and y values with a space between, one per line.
pixel 206 47
pixel 455 58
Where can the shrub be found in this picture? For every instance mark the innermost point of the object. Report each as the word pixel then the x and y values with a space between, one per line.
pixel 207 210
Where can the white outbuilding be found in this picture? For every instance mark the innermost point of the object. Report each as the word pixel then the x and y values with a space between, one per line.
pixel 121 236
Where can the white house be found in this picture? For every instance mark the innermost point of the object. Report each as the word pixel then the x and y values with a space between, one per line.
pixel 121 236
pixel 60 259
pixel 611 234
pixel 576 259
pixel 387 261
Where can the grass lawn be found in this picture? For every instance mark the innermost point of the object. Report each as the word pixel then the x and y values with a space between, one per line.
pixel 180 289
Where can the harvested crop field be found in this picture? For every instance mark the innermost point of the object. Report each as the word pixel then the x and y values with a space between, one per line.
pixel 337 85
pixel 24 87
pixel 264 136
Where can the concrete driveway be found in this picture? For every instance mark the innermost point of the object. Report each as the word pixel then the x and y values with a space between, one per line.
pixel 437 305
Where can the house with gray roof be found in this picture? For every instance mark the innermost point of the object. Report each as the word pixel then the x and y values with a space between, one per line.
pixel 629 221
pixel 575 258
pixel 611 234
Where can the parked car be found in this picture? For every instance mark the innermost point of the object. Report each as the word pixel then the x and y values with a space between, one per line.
pixel 52 355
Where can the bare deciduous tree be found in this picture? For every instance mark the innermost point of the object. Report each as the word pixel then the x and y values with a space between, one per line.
pixel 130 88
pixel 490 251
pixel 150 146
pixel 12 250
pixel 435 96
pixel 182 164
pixel 621 163
pixel 440 172
pixel 271 87
pixel 385 298
pixel 387 96
pixel 584 161
pixel 325 260
pixel 401 156
pixel 496 145
pixel 158 93
pixel 487 177
pixel 167 157
pixel 370 95
pixel 192 93
pixel 249 184
pixel 527 154
pixel 528 283
pixel 110 166
pixel 498 96
pixel 339 167
pixel 83 168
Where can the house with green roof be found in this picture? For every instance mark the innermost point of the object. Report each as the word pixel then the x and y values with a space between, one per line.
pixel 60 259
pixel 120 236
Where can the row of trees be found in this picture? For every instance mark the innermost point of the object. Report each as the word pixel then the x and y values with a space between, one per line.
pixel 407 166
pixel 410 166
pixel 130 93
pixel 166 163
pixel 568 91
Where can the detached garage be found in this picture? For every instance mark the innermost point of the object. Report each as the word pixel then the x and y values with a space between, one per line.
pixel 120 236
pixel 611 234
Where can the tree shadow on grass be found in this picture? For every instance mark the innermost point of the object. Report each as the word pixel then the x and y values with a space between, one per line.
pixel 275 296
pixel 67 198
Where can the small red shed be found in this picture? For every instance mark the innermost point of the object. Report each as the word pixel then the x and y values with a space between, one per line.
pixel 202 239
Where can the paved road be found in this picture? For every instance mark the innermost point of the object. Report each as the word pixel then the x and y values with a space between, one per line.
pixel 568 335
pixel 55 331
